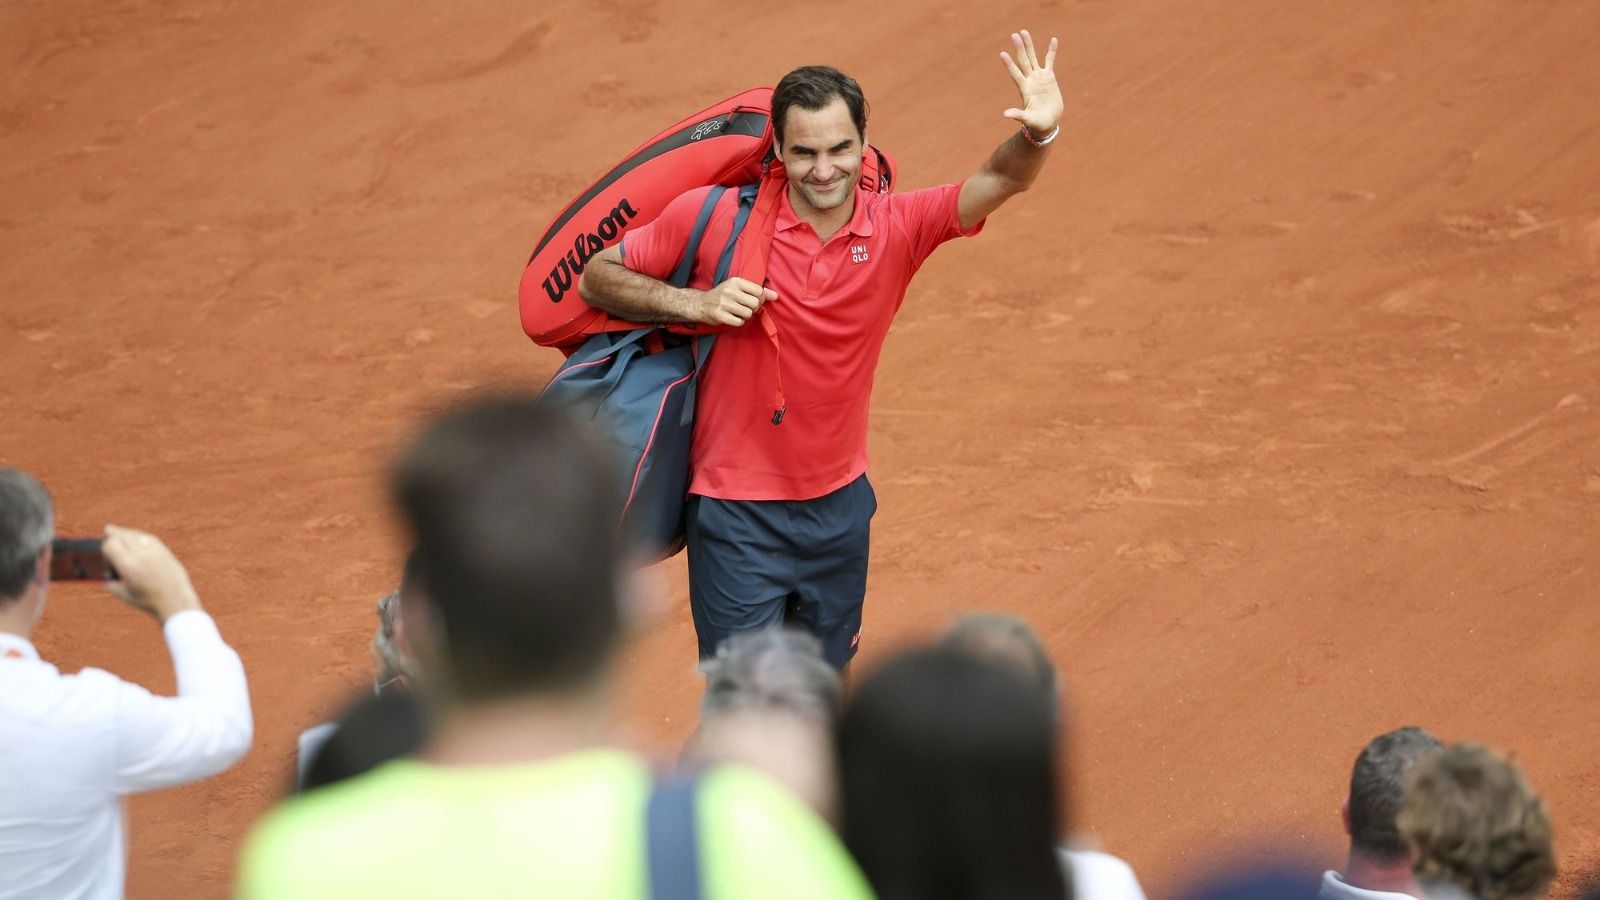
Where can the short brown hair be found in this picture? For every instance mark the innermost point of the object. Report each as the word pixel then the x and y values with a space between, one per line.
pixel 513 506
pixel 1477 824
pixel 813 88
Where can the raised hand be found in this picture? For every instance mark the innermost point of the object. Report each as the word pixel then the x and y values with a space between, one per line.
pixel 153 579
pixel 1036 82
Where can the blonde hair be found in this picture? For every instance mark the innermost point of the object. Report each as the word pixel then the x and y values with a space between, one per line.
pixel 1477 824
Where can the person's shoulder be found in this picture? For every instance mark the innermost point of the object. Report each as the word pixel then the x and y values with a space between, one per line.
pixel 935 201
pixel 762 841
pixel 692 199
pixel 915 195
pixel 377 795
pixel 742 791
pixel 338 830
pixel 88 695
pixel 1101 876
pixel 398 792
pixel 1334 887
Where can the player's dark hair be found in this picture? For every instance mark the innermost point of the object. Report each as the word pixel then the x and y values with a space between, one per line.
pixel 948 781
pixel 513 508
pixel 1378 788
pixel 814 87
pixel 27 522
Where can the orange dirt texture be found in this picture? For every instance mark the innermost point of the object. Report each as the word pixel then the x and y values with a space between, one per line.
pixel 1273 405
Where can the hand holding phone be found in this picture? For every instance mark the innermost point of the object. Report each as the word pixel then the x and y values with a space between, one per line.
pixel 152 578
pixel 80 559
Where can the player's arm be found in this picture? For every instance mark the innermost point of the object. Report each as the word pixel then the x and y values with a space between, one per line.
pixel 608 284
pixel 1016 162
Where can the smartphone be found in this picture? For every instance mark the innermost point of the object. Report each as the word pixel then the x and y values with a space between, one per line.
pixel 80 559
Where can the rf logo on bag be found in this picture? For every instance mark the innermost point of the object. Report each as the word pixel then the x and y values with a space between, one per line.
pixel 858 253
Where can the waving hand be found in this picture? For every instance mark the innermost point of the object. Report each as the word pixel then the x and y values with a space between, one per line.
pixel 1014 165
pixel 1036 82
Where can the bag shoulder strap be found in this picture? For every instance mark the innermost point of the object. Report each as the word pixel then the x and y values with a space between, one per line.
pixel 680 275
pixel 747 202
pixel 750 258
pixel 672 839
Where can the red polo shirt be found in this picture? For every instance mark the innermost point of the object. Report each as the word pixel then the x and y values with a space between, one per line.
pixel 835 303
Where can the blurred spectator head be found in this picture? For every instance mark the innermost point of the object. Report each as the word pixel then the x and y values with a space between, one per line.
pixel 1377 788
pixel 772 670
pixel 772 703
pixel 948 780
pixel 1009 641
pixel 1281 879
pixel 1476 826
pixel 393 665
pixel 513 511
pixel 27 523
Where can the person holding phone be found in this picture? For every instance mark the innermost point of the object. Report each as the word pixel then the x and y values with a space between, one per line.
pixel 71 746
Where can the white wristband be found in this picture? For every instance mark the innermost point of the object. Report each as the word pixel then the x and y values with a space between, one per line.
pixel 1027 134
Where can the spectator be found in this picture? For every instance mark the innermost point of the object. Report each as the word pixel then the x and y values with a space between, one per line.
pixel 949 785
pixel 389 729
pixel 1477 828
pixel 1281 878
pixel 373 730
pixel 1008 641
pixel 391 650
pixel 71 746
pixel 518 792
pixel 772 704
pixel 1379 864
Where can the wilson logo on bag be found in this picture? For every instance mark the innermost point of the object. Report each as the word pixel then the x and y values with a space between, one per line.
pixel 728 144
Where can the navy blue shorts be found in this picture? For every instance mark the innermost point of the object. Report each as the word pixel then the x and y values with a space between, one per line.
pixel 757 564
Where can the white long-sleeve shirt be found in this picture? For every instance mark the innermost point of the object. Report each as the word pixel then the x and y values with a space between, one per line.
pixel 72 745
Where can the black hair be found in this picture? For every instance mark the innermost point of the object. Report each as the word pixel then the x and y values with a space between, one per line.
pixel 370 732
pixel 513 507
pixel 1377 790
pixel 948 781
pixel 814 87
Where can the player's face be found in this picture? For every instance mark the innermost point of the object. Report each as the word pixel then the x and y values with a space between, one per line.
pixel 821 153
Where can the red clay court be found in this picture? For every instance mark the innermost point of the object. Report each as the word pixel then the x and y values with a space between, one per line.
pixel 1275 406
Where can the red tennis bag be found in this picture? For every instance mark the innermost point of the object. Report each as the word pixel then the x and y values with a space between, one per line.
pixel 728 144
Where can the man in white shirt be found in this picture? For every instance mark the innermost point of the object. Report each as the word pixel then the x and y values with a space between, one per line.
pixel 1379 866
pixel 71 746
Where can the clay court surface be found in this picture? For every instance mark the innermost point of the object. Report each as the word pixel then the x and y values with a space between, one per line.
pixel 1275 406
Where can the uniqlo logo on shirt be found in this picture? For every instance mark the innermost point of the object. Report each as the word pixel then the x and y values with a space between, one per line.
pixel 858 253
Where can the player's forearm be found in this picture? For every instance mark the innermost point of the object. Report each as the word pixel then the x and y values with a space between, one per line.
pixel 1016 163
pixel 609 285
